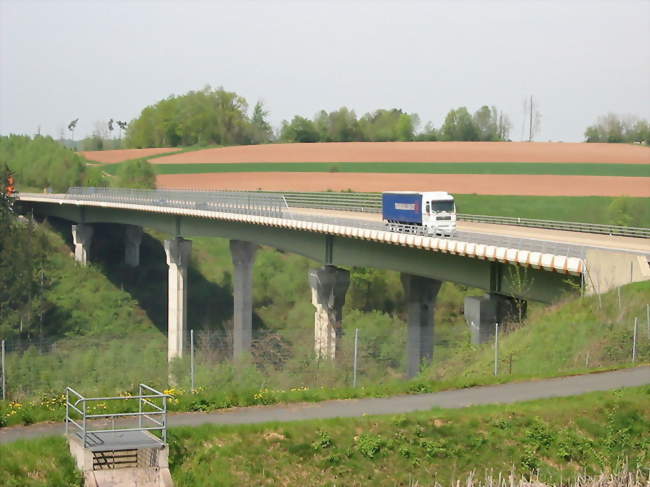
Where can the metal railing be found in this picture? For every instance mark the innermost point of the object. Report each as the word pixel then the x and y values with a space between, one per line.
pixel 371 203
pixel 147 411
pixel 241 202
pixel 265 203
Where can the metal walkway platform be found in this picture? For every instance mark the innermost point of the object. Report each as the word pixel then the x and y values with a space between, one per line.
pixel 119 440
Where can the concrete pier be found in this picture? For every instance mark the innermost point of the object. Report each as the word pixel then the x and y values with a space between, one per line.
pixel 82 236
pixel 483 312
pixel 243 258
pixel 132 240
pixel 421 293
pixel 178 253
pixel 328 287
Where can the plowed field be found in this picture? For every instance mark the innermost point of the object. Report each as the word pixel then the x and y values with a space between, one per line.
pixel 418 152
pixel 454 183
pixel 114 156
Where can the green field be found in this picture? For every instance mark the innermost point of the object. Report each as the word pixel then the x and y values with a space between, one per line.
pixel 529 168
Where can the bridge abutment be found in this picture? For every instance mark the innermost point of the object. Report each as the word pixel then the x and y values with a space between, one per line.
pixel 243 259
pixel 328 287
pixel 82 236
pixel 421 294
pixel 483 312
pixel 132 240
pixel 178 253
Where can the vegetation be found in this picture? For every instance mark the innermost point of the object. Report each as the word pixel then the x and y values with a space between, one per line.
pixel 40 462
pixel 44 163
pixel 630 170
pixel 136 173
pixel 555 438
pixel 615 129
pixel 553 441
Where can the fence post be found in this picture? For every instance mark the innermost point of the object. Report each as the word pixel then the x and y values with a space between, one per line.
pixel 634 341
pixel 618 289
pixel 496 349
pixel 356 345
pixel 647 306
pixel 4 373
pixel 192 358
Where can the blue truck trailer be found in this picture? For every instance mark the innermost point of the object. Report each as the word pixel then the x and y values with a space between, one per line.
pixel 425 213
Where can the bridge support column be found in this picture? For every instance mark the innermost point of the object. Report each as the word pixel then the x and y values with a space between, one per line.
pixel 421 293
pixel 82 236
pixel 132 240
pixel 483 312
pixel 328 287
pixel 243 258
pixel 178 258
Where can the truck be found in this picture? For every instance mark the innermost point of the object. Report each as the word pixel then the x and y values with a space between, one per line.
pixel 425 213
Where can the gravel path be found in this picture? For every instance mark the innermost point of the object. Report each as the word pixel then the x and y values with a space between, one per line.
pixel 505 393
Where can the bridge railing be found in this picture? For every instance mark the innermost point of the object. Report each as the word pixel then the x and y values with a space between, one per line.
pixel 250 203
pixel 371 203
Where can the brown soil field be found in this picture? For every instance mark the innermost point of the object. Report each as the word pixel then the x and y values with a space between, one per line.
pixel 121 155
pixel 453 183
pixel 419 152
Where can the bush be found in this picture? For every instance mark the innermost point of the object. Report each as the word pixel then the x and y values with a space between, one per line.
pixel 136 174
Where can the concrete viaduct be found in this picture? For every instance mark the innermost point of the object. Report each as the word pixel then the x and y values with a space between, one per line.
pixel 249 220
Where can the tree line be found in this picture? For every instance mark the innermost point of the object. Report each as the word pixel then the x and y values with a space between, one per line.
pixel 613 128
pixel 219 117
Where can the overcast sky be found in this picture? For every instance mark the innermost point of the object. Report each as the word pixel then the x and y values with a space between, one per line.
pixel 96 60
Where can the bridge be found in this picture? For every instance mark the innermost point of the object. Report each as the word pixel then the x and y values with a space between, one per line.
pixel 511 263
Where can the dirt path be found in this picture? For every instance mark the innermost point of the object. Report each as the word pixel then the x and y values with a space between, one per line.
pixel 512 184
pixel 419 152
pixel 504 394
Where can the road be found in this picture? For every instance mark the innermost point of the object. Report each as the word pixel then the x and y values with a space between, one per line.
pixel 504 394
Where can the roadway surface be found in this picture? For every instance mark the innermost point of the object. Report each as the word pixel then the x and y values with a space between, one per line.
pixel 497 394
pixel 558 242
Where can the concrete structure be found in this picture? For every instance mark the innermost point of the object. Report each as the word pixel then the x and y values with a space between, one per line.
pixel 606 270
pixel 132 240
pixel 178 257
pixel 145 464
pixel 82 237
pixel 243 258
pixel 335 243
pixel 421 293
pixel 483 312
pixel 328 287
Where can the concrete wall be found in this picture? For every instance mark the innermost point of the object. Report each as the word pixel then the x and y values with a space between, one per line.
pixel 607 270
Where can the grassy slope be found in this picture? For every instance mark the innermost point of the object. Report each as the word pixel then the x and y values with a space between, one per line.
pixel 558 437
pixel 566 169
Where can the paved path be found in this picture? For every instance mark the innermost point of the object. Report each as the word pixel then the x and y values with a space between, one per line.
pixel 506 393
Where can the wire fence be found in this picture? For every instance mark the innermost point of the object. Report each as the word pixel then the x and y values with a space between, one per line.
pixel 364 357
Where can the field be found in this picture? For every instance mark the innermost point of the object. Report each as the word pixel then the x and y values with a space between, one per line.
pixel 419 152
pixel 121 155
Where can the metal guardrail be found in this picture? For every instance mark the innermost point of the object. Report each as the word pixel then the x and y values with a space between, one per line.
pixel 371 203
pixel 250 203
pixel 274 204
pixel 147 409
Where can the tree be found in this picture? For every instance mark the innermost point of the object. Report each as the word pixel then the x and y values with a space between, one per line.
pixel 615 129
pixel 459 126
pixel 532 117
pixel 136 174
pixel 262 132
pixel 71 126
pixel 299 130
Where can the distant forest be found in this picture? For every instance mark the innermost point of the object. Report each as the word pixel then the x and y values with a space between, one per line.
pixel 219 117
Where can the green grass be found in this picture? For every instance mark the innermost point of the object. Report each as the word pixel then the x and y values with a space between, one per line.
pixel 563 169
pixel 41 462
pixel 557 437
pixel 587 209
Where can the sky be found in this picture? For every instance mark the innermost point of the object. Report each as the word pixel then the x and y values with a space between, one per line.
pixel 95 60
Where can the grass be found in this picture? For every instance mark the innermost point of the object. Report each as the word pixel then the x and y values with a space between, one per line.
pixel 531 168
pixel 41 462
pixel 557 438
pixel 552 440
